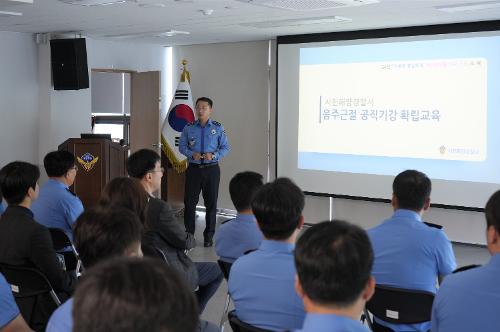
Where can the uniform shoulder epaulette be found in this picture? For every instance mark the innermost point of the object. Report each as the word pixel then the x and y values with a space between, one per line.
pixel 217 123
pixel 190 123
pixel 71 192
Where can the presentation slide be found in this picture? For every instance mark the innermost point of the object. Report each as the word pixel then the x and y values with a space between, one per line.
pixel 378 107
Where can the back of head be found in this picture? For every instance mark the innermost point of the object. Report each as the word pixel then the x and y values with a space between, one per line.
pixel 243 187
pixel 492 211
pixel 412 189
pixel 278 206
pixel 128 193
pixel 16 178
pixel 126 295
pixel 104 232
pixel 334 262
pixel 58 163
pixel 141 162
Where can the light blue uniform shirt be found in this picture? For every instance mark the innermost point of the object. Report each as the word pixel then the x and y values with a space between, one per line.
pixel 57 207
pixel 8 306
pixel 237 236
pixel 261 285
pixel 331 323
pixel 2 208
pixel 211 138
pixel 61 319
pixel 409 254
pixel 469 300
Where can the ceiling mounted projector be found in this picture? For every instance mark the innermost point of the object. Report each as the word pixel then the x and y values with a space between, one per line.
pixel 302 5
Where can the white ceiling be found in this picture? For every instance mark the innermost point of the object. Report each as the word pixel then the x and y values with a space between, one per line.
pixel 229 21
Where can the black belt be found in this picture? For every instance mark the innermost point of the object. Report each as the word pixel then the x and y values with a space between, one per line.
pixel 203 165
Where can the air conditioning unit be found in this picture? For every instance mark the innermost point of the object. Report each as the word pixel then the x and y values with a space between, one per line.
pixel 305 5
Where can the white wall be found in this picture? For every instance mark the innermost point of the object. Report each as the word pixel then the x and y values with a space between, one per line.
pixel 235 76
pixel 18 98
pixel 66 114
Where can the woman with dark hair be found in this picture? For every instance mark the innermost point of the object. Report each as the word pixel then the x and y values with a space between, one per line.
pixel 126 192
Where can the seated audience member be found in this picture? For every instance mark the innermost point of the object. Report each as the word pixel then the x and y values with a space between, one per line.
pixel 25 242
pixel 261 283
pixel 334 262
pixel 127 294
pixel 10 317
pixel 57 206
pixel 164 232
pixel 408 253
pixel 469 300
pixel 241 234
pixel 100 233
pixel 128 193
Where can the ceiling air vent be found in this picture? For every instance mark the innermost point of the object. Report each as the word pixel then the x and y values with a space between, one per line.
pixel 303 5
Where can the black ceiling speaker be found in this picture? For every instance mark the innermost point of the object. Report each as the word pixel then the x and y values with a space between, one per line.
pixel 69 64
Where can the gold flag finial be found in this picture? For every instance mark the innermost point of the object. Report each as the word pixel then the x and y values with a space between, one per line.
pixel 185 76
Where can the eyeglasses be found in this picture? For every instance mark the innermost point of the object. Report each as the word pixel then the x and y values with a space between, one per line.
pixel 158 170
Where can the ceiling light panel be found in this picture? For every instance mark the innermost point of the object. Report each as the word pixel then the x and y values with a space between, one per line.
pixel 469 6
pixel 297 22
pixel 306 5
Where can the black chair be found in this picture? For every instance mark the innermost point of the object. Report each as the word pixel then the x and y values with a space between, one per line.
pixel 466 267
pixel 225 268
pixel 61 242
pixel 239 326
pixel 31 288
pixel 398 306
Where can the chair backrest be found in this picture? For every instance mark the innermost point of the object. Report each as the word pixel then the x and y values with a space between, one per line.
pixel 401 306
pixel 60 239
pixel 466 267
pixel 225 268
pixel 153 251
pixel 238 326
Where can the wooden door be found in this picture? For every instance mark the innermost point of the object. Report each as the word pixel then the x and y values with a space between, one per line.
pixel 145 111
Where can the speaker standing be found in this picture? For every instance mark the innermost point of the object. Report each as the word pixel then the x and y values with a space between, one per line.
pixel 204 143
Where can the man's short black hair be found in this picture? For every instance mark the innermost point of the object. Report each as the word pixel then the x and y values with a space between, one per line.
pixel 411 188
pixel 243 187
pixel 126 192
pixel 334 262
pixel 205 99
pixel 104 232
pixel 16 178
pixel 492 211
pixel 131 294
pixel 58 163
pixel 278 206
pixel 141 162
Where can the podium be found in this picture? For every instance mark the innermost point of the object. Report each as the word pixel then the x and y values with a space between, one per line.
pixel 99 160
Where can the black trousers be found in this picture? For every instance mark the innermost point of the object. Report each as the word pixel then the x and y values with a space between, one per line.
pixel 206 180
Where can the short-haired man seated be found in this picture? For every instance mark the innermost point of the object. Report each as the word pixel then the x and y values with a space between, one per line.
pixel 408 253
pixel 100 234
pixel 10 317
pixel 334 262
pixel 237 236
pixel 164 232
pixel 129 294
pixel 469 300
pixel 24 242
pixel 261 283
pixel 57 206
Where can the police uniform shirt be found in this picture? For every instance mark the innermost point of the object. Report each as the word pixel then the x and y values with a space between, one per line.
pixel 331 323
pixel 8 307
pixel 237 236
pixel 469 300
pixel 57 207
pixel 409 254
pixel 262 286
pixel 61 319
pixel 211 138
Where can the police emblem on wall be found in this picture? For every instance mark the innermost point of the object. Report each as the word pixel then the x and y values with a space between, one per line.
pixel 88 161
